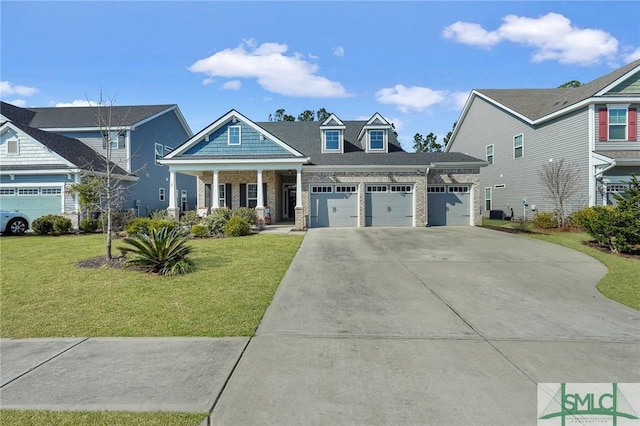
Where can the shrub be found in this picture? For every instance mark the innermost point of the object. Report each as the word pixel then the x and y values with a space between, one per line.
pixel 51 224
pixel 545 220
pixel 217 220
pixel 163 251
pixel 237 227
pixel 247 213
pixel 615 229
pixel 583 218
pixel 119 219
pixel 89 225
pixel 144 225
pixel 199 230
pixel 190 218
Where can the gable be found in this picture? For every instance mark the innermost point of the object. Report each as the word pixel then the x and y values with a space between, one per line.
pixel 30 151
pixel 630 86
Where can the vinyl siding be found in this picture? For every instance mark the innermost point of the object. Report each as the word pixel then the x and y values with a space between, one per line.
pixel 93 139
pixel 628 87
pixel 564 138
pixel 613 145
pixel 30 152
pixel 250 144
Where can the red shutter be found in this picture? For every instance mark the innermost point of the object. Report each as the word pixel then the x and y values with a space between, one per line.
pixel 602 117
pixel 633 124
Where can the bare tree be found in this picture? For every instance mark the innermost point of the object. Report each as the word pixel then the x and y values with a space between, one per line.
pixel 103 187
pixel 561 182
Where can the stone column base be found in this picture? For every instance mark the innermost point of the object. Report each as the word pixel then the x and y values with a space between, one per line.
pixel 260 216
pixel 173 212
pixel 299 225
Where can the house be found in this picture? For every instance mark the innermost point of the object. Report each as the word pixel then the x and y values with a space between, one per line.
pixel 138 137
pixel 330 173
pixel 593 128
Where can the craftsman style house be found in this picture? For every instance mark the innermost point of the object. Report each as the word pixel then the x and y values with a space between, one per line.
pixel 45 150
pixel 329 173
pixel 593 128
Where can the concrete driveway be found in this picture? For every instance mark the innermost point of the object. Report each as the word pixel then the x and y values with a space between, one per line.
pixel 428 326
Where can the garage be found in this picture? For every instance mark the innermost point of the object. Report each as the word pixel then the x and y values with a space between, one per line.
pixel 333 205
pixel 449 205
pixel 32 201
pixel 389 205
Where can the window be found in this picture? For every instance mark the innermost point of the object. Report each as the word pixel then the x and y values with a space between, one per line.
pixel 7 191
pixel 490 154
pixel 321 189
pixel 436 189
pixel 160 194
pixel 487 198
pixel 13 148
pixel 349 188
pixel 616 187
pixel 332 140
pixel 463 189
pixel 28 191
pixel 114 139
pixel 233 135
pixel 51 191
pixel 405 189
pixel 617 123
pixel 159 152
pixel 222 199
pixel 499 185
pixel 376 188
pixel 376 140
pixel 252 195
pixel 518 146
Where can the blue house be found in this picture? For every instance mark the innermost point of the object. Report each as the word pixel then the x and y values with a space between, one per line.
pixel 33 160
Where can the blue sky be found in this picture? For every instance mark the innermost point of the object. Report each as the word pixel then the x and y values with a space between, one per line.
pixel 413 62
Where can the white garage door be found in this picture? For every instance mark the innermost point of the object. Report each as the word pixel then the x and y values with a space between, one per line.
pixel 389 205
pixel 333 205
pixel 449 205
pixel 32 201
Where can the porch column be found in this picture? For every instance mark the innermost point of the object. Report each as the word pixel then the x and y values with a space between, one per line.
pixel 260 201
pixel 173 210
pixel 299 215
pixel 215 192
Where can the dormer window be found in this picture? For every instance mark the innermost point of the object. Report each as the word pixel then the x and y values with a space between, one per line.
pixel 234 135
pixel 332 140
pixel 377 139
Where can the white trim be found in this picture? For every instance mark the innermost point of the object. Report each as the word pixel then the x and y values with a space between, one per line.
pixel 385 140
pixel 493 154
pixel 332 117
pixel 82 129
pixel 198 137
pixel 490 199
pixel 521 145
pixel 340 148
pixel 20 132
pixel 618 81
pixel 16 140
pixel 593 195
pixel 370 124
pixel 239 127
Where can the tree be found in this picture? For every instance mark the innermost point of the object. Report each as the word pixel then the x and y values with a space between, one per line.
pixel 322 114
pixel 281 116
pixel 307 115
pixel 570 84
pixel 561 181
pixel 446 139
pixel 426 144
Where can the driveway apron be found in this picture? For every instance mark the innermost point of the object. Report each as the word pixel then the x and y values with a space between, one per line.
pixel 451 325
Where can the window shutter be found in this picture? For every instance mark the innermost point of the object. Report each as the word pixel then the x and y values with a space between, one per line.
pixel 243 195
pixel 207 195
pixel 602 118
pixel 264 194
pixel 227 194
pixel 633 124
pixel 120 141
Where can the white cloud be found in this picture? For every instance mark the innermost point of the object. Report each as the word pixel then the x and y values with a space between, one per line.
pixel 552 36
pixel 458 99
pixel 410 98
pixel 276 72
pixel 338 51
pixel 631 56
pixel 8 88
pixel 77 103
pixel 207 81
pixel 18 102
pixel 232 85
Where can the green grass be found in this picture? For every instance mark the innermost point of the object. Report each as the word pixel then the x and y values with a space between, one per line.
pixel 45 294
pixel 95 418
pixel 621 282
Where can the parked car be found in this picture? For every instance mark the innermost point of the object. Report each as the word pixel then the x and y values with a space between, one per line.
pixel 13 222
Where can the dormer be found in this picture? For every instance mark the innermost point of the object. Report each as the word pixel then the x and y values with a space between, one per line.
pixel 374 135
pixel 332 135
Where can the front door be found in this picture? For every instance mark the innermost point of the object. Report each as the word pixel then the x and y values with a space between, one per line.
pixel 291 203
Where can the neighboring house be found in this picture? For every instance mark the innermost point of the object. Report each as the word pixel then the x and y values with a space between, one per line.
pixel 37 168
pixel 593 128
pixel 330 173
pixel 138 137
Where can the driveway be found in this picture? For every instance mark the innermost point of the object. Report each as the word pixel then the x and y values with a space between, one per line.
pixel 450 325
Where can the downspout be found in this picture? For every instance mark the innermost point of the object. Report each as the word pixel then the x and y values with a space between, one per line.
pixel 426 197
pixel 592 147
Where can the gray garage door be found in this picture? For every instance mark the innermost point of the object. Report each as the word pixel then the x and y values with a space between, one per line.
pixel 449 205
pixel 32 201
pixel 333 205
pixel 389 205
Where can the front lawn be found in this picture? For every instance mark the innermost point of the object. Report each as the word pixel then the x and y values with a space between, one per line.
pixel 45 293
pixel 621 282
pixel 80 418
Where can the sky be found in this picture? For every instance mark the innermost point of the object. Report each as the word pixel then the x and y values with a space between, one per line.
pixel 415 63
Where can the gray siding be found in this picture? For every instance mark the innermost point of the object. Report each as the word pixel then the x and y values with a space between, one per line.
pixel 629 86
pixel 168 131
pixel 93 139
pixel 613 145
pixel 565 138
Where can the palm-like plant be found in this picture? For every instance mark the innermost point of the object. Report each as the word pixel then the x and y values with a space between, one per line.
pixel 163 251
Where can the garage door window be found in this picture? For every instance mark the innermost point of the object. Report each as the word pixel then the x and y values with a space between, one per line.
pixel 405 189
pixel 51 191
pixel 436 189
pixel 28 191
pixel 321 189
pixel 348 189
pixel 7 191
pixel 463 189
pixel 377 188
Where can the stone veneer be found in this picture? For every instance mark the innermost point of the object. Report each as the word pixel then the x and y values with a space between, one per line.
pixel 461 176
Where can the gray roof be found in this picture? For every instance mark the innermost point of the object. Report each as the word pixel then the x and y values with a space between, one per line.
pixel 70 117
pixel 16 114
pixel 72 150
pixel 537 103
pixel 305 137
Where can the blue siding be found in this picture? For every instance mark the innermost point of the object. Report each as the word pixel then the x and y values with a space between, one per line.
pixel 168 131
pixel 34 179
pixel 250 144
